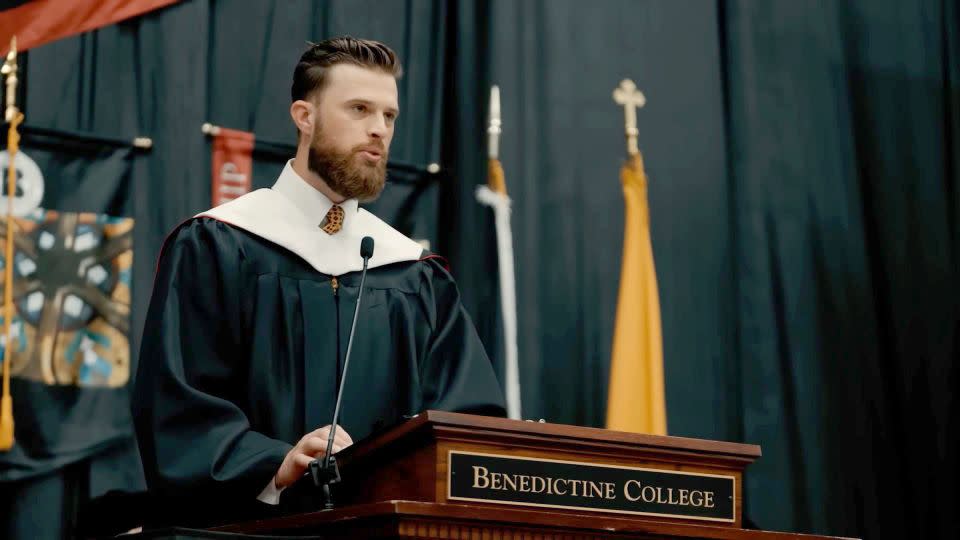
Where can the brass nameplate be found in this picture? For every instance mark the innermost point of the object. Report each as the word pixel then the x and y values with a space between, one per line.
pixel 586 486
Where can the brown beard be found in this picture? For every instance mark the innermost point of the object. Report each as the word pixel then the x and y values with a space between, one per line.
pixel 347 173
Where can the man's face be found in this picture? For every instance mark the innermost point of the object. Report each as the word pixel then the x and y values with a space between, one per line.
pixel 353 128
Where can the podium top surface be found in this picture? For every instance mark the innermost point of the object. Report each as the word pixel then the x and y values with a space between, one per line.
pixel 441 424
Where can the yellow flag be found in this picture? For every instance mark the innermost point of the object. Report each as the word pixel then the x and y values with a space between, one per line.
pixel 14 117
pixel 636 400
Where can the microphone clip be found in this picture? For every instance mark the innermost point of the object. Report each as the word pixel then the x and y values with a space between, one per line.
pixel 325 473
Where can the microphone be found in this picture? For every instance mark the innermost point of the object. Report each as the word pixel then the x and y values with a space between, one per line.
pixel 366 250
pixel 328 473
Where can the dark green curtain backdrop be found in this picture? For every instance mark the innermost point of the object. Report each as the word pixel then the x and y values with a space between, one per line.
pixel 803 189
pixel 843 130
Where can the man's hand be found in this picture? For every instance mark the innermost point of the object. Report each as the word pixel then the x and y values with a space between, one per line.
pixel 312 446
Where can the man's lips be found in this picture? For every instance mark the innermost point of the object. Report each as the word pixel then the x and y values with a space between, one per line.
pixel 371 153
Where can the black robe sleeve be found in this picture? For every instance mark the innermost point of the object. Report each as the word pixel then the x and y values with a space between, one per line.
pixel 455 373
pixel 202 460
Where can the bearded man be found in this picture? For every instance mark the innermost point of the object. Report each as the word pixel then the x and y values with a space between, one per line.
pixel 247 328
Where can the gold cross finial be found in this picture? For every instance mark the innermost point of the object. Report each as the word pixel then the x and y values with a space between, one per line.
pixel 630 98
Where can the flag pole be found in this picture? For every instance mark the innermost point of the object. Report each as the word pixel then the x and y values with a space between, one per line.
pixel 14 117
pixel 636 399
pixel 494 195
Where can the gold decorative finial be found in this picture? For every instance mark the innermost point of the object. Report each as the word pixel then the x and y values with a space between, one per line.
pixel 9 71
pixel 630 98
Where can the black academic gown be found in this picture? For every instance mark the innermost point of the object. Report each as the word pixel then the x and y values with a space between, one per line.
pixel 242 354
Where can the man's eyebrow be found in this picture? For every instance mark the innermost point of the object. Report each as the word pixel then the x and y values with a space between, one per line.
pixel 365 101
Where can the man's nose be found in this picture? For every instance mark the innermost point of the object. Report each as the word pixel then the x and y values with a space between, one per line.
pixel 378 127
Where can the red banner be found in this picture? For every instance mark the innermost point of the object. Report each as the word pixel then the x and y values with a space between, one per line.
pixel 36 22
pixel 232 164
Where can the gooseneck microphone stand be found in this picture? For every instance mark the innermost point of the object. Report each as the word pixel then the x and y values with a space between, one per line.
pixel 325 472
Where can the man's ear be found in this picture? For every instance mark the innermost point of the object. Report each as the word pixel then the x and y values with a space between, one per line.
pixel 302 114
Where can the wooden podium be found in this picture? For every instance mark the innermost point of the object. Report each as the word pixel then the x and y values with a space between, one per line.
pixel 448 475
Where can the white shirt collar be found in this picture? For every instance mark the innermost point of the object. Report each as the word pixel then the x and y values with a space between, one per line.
pixel 313 204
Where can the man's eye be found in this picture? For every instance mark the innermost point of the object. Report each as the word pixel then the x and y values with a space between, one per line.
pixel 391 117
pixel 360 108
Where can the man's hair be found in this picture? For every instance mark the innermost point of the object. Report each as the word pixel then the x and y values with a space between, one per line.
pixel 310 75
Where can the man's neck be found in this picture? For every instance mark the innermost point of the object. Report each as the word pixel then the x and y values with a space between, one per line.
pixel 316 182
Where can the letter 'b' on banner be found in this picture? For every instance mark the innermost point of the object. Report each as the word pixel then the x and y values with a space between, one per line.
pixel 232 164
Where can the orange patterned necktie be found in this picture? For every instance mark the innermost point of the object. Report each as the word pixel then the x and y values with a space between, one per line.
pixel 334 220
